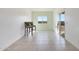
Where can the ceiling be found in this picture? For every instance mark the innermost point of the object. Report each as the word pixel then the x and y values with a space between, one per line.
pixel 23 11
pixel 26 9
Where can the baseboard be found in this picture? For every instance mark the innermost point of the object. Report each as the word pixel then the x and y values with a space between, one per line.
pixel 12 42
pixel 72 44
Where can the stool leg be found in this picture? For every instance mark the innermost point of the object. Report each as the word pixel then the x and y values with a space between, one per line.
pixel 29 29
pixel 25 31
pixel 32 30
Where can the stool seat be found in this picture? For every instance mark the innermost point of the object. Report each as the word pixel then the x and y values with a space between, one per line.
pixel 29 27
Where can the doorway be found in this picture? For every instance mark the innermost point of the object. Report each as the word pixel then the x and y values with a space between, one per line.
pixel 61 24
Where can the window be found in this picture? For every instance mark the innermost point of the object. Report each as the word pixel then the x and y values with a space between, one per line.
pixel 62 17
pixel 42 19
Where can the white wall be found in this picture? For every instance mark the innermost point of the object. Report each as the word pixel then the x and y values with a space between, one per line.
pixel 55 18
pixel 72 26
pixel 11 27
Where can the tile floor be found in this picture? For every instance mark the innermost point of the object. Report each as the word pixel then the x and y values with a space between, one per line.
pixel 42 41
